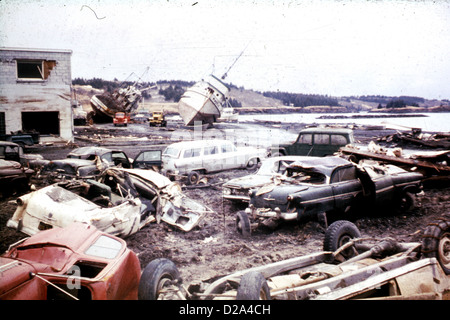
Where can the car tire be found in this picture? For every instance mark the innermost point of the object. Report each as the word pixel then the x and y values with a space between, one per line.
pixel 156 275
pixel 252 164
pixel 436 243
pixel 406 202
pixel 243 224
pixel 339 233
pixel 193 178
pixel 253 286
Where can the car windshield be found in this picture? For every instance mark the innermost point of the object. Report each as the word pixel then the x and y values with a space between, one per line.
pixel 270 167
pixel 149 156
pixel 305 175
pixel 104 247
pixel 171 152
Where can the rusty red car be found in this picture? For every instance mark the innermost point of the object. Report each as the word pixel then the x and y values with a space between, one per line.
pixel 77 262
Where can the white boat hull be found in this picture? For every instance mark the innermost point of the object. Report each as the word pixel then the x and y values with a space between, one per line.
pixel 203 102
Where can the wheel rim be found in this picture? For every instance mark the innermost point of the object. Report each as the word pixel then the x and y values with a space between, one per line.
pixel 163 283
pixel 444 250
pixel 262 295
pixel 239 225
pixel 349 252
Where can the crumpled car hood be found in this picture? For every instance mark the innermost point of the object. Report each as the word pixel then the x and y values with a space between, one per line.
pixel 250 181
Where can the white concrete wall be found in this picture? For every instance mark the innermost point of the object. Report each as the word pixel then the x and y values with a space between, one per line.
pixel 52 94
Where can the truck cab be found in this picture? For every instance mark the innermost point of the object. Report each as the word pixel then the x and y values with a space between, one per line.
pixel 121 119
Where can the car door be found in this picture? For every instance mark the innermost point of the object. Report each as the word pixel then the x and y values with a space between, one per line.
pixel 191 159
pixel 229 156
pixel 120 158
pixel 212 160
pixel 303 146
pixel 148 159
pixel 384 186
pixel 346 187
pixel 321 145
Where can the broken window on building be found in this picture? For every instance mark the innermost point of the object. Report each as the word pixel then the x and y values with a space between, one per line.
pixel 34 69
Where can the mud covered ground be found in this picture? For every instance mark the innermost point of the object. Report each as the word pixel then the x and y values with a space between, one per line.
pixel 215 248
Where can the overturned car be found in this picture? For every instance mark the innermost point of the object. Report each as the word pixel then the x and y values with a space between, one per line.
pixel 329 186
pixel 120 203
pixel 349 267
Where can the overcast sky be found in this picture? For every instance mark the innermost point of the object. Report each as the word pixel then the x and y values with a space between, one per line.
pixel 336 48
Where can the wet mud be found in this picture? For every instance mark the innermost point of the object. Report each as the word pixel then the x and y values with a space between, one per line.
pixel 215 248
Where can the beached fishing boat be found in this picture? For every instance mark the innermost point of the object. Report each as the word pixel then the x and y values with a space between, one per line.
pixel 203 102
pixel 106 105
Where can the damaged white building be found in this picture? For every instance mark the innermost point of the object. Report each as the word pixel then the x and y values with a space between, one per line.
pixel 35 91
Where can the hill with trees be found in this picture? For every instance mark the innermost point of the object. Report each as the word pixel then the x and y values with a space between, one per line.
pixel 170 91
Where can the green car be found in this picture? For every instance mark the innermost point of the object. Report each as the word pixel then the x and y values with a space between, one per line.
pixel 316 142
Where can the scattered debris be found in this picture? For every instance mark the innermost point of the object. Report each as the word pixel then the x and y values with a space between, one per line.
pixel 417 138
pixel 349 267
pixel 433 166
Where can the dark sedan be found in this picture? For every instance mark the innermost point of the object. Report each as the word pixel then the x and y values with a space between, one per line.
pixel 316 186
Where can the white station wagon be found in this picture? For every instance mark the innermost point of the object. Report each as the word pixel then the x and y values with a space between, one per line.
pixel 193 158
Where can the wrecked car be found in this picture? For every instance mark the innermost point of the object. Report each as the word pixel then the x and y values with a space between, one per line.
pixel 13 151
pixel 349 267
pixel 321 186
pixel 192 158
pixel 88 162
pixel 58 170
pixel 14 178
pixel 77 262
pixel 121 202
pixel 107 156
pixel 236 190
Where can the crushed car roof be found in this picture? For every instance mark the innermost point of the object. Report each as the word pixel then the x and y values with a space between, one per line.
pixel 89 151
pixel 324 165
pixel 58 236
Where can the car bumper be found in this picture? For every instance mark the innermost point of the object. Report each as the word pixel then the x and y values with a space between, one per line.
pixel 266 213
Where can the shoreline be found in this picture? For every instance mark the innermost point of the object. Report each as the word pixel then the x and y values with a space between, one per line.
pixel 406 112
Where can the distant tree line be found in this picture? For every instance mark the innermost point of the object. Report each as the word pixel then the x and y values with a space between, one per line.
pixel 302 100
pixel 174 89
pixel 393 101
pixel 172 93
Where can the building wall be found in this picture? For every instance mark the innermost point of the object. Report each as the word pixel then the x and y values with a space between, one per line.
pixel 52 94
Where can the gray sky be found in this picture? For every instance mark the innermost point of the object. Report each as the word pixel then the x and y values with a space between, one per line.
pixel 329 47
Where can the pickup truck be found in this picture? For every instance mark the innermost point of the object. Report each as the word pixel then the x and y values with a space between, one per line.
pixel 329 186
pixel 317 142
pixel 121 119
pixel 22 139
